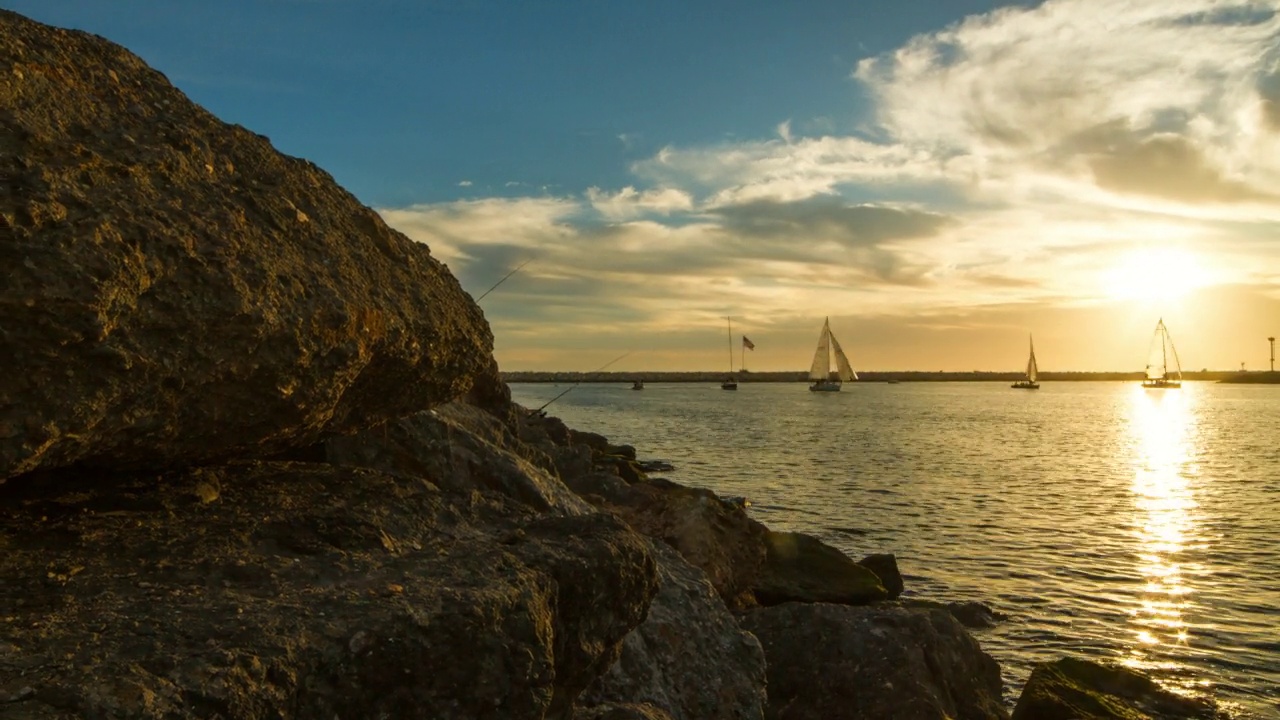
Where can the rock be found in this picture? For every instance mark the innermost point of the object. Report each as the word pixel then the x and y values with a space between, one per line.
pixel 1073 689
pixel 178 292
pixel 459 448
pixel 839 662
pixel 689 658
pixel 716 537
pixel 970 613
pixel 800 567
pixel 307 590
pixel 885 566
pixel 655 466
pixel 614 711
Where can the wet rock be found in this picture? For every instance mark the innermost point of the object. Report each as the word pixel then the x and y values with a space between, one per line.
pixel 839 662
pixel 885 566
pixel 307 590
pixel 689 658
pixel 656 466
pixel 177 291
pixel 716 537
pixel 1073 689
pixel 800 567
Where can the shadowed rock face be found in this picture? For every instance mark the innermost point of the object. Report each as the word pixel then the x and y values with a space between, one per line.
pixel 800 567
pixel 177 291
pixel 1073 689
pixel 840 662
pixel 689 658
pixel 270 590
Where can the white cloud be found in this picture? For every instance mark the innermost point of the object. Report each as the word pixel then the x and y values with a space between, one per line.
pixel 465 183
pixel 1077 88
pixel 629 203
pixel 784 131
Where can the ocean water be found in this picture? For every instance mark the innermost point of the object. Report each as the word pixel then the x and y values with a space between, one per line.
pixel 1132 526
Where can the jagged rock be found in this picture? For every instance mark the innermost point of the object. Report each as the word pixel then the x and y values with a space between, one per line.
pixel 840 662
pixel 885 566
pixel 800 567
pixel 269 590
pixel 176 291
pixel 689 658
pixel 1073 689
pixel 460 448
pixel 613 711
pixel 714 536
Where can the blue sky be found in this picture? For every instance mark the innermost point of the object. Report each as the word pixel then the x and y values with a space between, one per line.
pixel 938 178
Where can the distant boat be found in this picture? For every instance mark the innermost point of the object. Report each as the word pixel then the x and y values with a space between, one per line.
pixel 1158 370
pixel 1029 382
pixel 637 385
pixel 820 372
pixel 730 383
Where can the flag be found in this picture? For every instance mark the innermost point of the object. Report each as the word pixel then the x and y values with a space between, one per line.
pixel 747 343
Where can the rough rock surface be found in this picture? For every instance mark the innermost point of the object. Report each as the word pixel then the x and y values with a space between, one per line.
pixel 461 448
pixel 840 662
pixel 689 658
pixel 176 291
pixel 715 536
pixel 272 590
pixel 1073 689
pixel 800 567
pixel 613 711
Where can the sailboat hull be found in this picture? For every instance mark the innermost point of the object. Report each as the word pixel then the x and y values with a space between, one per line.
pixel 1024 385
pixel 825 386
pixel 1162 384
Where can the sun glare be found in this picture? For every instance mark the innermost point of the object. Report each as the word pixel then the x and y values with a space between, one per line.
pixel 1155 274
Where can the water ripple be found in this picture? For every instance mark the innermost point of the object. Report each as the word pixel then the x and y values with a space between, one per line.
pixel 1129 526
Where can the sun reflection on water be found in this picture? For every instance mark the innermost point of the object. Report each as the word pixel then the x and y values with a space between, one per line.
pixel 1164 524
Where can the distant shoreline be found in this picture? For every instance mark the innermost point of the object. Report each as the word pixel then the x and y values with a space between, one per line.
pixel 1224 376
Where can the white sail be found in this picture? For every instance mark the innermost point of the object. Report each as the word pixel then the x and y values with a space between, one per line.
pixel 821 368
pixel 1158 356
pixel 842 363
pixel 1031 364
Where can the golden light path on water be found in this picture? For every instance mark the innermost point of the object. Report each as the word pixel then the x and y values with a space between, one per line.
pixel 1162 423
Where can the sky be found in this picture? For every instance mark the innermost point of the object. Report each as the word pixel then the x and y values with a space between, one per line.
pixel 941 179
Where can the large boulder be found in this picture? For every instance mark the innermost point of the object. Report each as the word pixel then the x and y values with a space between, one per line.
pixel 716 536
pixel 840 662
pixel 800 567
pixel 270 590
pixel 176 291
pixel 1074 689
pixel 689 658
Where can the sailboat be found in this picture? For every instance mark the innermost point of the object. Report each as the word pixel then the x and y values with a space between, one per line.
pixel 1158 370
pixel 820 371
pixel 730 383
pixel 1029 383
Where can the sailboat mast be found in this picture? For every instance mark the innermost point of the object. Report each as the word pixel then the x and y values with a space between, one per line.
pixel 1164 357
pixel 729 320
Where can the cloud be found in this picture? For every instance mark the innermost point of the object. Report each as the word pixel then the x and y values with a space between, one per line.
pixel 1010 94
pixel 464 183
pixel 630 203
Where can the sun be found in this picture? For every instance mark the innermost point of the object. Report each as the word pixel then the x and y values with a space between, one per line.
pixel 1155 274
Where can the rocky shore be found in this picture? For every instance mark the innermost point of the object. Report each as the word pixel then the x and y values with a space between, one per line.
pixel 257 461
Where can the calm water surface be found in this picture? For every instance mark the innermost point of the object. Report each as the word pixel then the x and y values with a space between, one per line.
pixel 1126 525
